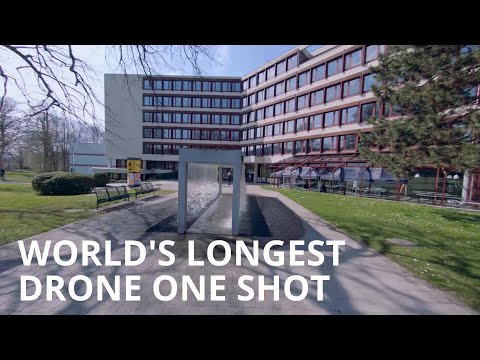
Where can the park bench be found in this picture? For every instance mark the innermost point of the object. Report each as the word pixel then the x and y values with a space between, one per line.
pixel 450 199
pixel 111 194
pixel 144 188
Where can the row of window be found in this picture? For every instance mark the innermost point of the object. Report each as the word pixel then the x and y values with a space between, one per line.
pixel 342 63
pixel 191 134
pixel 349 115
pixel 195 102
pixel 163 149
pixel 191 118
pixel 318 145
pixel 274 70
pixel 191 85
pixel 335 92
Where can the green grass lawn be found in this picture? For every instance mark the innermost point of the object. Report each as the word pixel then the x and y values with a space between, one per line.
pixel 24 213
pixel 18 175
pixel 448 252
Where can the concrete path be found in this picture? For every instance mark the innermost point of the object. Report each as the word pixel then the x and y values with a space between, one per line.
pixel 364 282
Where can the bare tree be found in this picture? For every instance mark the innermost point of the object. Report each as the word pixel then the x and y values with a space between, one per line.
pixel 10 128
pixel 64 81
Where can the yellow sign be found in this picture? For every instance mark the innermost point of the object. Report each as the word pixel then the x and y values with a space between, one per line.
pixel 134 166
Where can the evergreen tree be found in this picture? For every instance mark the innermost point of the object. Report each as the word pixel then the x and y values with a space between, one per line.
pixel 433 88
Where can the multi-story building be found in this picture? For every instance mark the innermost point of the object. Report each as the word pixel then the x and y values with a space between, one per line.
pixel 303 103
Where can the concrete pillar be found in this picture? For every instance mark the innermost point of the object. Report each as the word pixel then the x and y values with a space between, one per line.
pixel 237 173
pixel 465 190
pixel 255 172
pixel 182 197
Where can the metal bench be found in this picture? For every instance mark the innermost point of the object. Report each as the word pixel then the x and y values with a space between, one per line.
pixel 144 188
pixel 105 195
pixel 450 199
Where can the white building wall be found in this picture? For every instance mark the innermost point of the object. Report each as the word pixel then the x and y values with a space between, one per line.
pixel 85 156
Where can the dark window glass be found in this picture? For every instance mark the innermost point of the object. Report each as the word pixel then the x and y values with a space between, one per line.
pixel 289 105
pixel 303 79
pixel 177 133
pixel 267 149
pixel 167 101
pixel 300 146
pixel 205 134
pixel 187 85
pixel 314 145
pixel 225 103
pixel 259 132
pixel 205 119
pixel 237 87
pixel 279 109
pixel 217 86
pixel 318 73
pixel 269 111
pixel 196 102
pixel 292 62
pixel 157 85
pixel 216 135
pixel 291 84
pixel 368 110
pixel 289 126
pixel 147 101
pixel 157 133
pixel 167 85
pixel 226 86
pixel 333 93
pixel 351 87
pixel 177 101
pixel 302 102
pixel 225 119
pixel 368 81
pixel 177 117
pixel 278 129
pixel 236 103
pixel 166 134
pixel 147 84
pixel 350 115
pixel 353 59
pixel 196 118
pixel 177 85
pixel 259 114
pixel 235 119
pixel 372 52
pixel 276 148
pixel 235 135
pixel 280 67
pixel 216 119
pixel 147 133
pixel 206 86
pixel 279 88
pixel 288 147
pixel 347 142
pixel 316 97
pixel 258 150
pixel 186 102
pixel 185 134
pixel 205 102
pixel 167 117
pixel 302 125
pixel 316 121
pixel 260 95
pixel 334 66
pixel 196 134
pixel 271 72
pixel 328 143
pixel 270 92
pixel 261 77
pixel 198 86
pixel 185 118
pixel 147 117
pixel 331 118
pixel 147 148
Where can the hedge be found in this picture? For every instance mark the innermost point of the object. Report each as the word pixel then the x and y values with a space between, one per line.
pixel 62 183
pixel 101 179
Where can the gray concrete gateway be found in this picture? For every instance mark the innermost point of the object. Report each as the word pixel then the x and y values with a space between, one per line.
pixel 364 282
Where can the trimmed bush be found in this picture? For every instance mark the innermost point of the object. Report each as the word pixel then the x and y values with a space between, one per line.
pixel 101 179
pixel 62 183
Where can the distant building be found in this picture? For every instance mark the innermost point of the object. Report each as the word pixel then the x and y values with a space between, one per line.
pixel 83 157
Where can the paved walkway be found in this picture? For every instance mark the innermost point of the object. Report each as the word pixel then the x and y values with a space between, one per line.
pixel 364 283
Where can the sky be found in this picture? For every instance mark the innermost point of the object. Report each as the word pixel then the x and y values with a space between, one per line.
pixel 231 60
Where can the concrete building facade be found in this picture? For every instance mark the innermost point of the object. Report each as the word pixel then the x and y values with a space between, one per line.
pixel 86 156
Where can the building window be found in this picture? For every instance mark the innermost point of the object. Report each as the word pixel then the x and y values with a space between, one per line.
pixel 206 86
pixel 350 115
pixel 166 134
pixel 122 163
pixel 351 87
pixel 216 119
pixel 147 133
pixel 302 125
pixel 277 129
pixel 196 102
pixel 245 85
pixel 251 99
pixel 318 73
pixel 196 134
pixel 291 84
pixel 167 101
pixel 333 93
pixel 334 66
pixel 177 85
pixel 259 114
pixel 289 126
pixel 147 117
pixel 289 105
pixel 177 133
pixel 245 101
pixel 253 81
pixel 390 111
pixel 302 102
pixel 288 147
pixel 217 86
pixel 368 82
pixel 300 146
pixel 196 118
pixel 347 142
pixel 314 145
pixel 147 84
pixel 186 134
pixel 147 101
pixel 279 108
pixel 261 77
pixel 281 67
pixel 205 134
pixel 279 88
pixel 369 110
pixel 177 101
pixel 167 85
pixel 292 62
pixel 205 119
pixel 331 118
pixel 236 103
pixel 236 87
pixel 270 92
pixel 225 119
pixel 260 95
pixel 167 117
pixel 147 149
pixel 269 111
pixel 276 148
pixel 353 59
pixel 235 135
pixel 225 86
pixel 157 85
pixel 177 117
pixel 316 98
pixel 235 119
pixel 316 121
pixel 205 102
pixel 197 86
pixel 216 135
pixel 186 102
pixel 225 103
pixel 328 143
pixel 251 133
pixel 268 131
pixel 215 102
pixel 372 52
pixel 303 79
pixel 270 72
pixel 157 133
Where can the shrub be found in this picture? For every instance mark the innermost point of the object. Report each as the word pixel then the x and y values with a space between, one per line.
pixel 101 179
pixel 62 183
